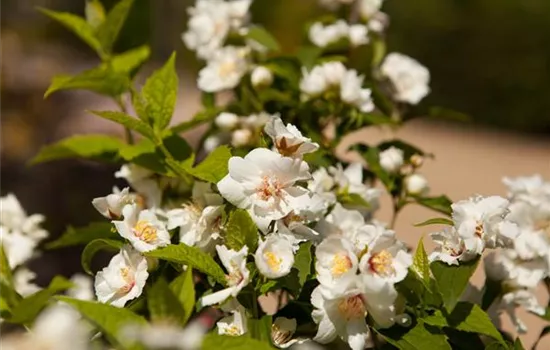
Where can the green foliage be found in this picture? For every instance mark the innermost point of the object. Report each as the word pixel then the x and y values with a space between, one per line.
pixel 421 264
pixel 202 117
pixel 441 204
pixel 163 304
pixel 99 147
pixel 94 12
pixel 95 246
pixel 421 336
pixel 452 280
pixel 183 288
pixel 9 298
pixel 435 221
pixel 107 32
pixel 260 329
pixel 213 341
pixel 241 231
pixel 128 121
pixel 491 292
pixel 303 263
pixel 102 79
pixel 213 168
pixel 191 256
pixel 263 37
pixel 130 60
pixel 83 235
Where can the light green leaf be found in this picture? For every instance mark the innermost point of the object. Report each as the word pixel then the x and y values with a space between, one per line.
pixel 163 304
pixel 260 329
pixel 128 121
pixel 308 55
pixel 418 337
pixel 194 257
pixel 159 94
pixel 263 37
pixel 268 286
pixel 213 168
pixel 127 61
pixel 418 292
pixel 213 341
pixel 28 308
pixel 83 235
pixel 108 31
pixel 95 246
pixel 5 271
pixel 302 262
pixel 102 80
pixel 353 199
pixel 421 264
pixel 452 280
pixel 110 320
pixel 95 13
pixel 466 317
pixel 440 204
pixel 435 221
pixel 240 231
pixel 184 289
pixel 378 51
pixel 78 26
pixel 199 118
pixel 101 147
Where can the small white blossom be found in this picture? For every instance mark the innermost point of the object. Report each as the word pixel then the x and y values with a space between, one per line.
pixel 123 279
pixel 227 121
pixel 529 189
pixel 82 287
pixel 358 34
pixel 162 336
pixel 19 248
pixel 237 278
pixel 322 184
pixel 274 257
pixel 261 77
pixel 449 248
pixel 350 180
pixel 511 301
pixel 111 205
pixel 335 263
pixel 295 226
pixel 143 181
pixel 288 140
pixel 369 8
pixel 416 184
pixel 224 69
pixel 391 159
pixel 351 92
pixel 241 137
pixel 22 282
pixel 506 266
pixel 313 83
pixel 211 143
pixel 323 35
pixel 13 217
pixel 235 324
pixel 142 229
pixel 409 78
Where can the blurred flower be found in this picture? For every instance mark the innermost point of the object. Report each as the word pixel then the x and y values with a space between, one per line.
pixel 224 69
pixel 282 332
pixel 288 140
pixel 22 282
pixel 111 205
pixel 227 121
pixel 409 78
pixel 416 184
pixel 18 247
pixel 83 287
pixel 369 8
pixel 391 159
pixel 234 324
pixel 13 217
pixel 511 301
pixel 241 137
pixel 165 336
pixel 274 256
pixel 261 77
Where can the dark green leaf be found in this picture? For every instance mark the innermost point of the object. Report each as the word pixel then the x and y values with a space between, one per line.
pixel 491 291
pixel 184 289
pixel 518 345
pixel 107 32
pixel 101 147
pixel 435 221
pixel 372 156
pixel 441 204
pixel 449 114
pixel 128 121
pixel 102 80
pixel 417 292
pixel 308 55
pixel 163 304
pixel 452 280
pixel 269 286
pixel 213 341
pixel 302 263
pixel 263 37
pixel 83 235
pixel 213 168
pixel 240 230
pixel 418 337
pixel 5 271
pixel 95 246
pixel 260 329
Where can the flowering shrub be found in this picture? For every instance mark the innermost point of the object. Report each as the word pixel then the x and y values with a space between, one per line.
pixel 264 206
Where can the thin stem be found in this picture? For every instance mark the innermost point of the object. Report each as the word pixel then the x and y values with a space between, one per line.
pixel 396 209
pixel 255 304
pixel 127 131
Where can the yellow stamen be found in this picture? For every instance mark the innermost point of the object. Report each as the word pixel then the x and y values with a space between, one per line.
pixel 233 331
pixel 341 264
pixel 352 307
pixel 128 277
pixel 270 187
pixel 145 231
pixel 273 261
pixel 381 263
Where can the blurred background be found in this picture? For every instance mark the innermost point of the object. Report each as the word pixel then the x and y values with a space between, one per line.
pixel 489 59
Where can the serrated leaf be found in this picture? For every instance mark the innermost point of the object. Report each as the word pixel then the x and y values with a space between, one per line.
pixel 435 221
pixel 95 246
pixel 184 289
pixel 110 320
pixel 302 263
pixel 83 235
pixel 441 204
pixel 418 337
pixel 421 264
pixel 130 60
pixel 159 94
pixel 466 317
pixel 213 168
pixel 241 231
pixel 28 308
pixel 102 80
pixel 213 341
pixel 78 26
pixel 163 304
pixel 128 121
pixel 260 329
pixel 194 257
pixel 452 280
pixel 95 13
pixel 263 37
pixel 108 31
pixel 101 147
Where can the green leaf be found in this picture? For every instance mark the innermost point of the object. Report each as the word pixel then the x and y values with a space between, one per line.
pixel 163 304
pixel 260 329
pixel 518 345
pixel 491 291
pixel 241 231
pixel 372 156
pixel 418 292
pixel 466 317
pixel 108 31
pixel 269 286
pixel 28 308
pixel 5 271
pixel 194 257
pixel 452 280
pixel 419 337
pixel 110 320
pixel 95 246
pixel 128 121
pixel 213 168
pixel 159 94
pixel 263 37
pixel 308 55
pixel 448 114
pixel 353 199
pixel 78 26
pixel 100 147
pixel 95 13
pixel 184 289
pixel 83 235
pixel 128 61
pixel 421 264
pixel 200 118
pixel 102 80
pixel 213 341
pixel 440 204
pixel 302 263
pixel 435 221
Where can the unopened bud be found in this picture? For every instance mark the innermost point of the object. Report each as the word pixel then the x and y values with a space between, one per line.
pixel 241 137
pixel 227 121
pixel 261 77
pixel 391 159
pixel 416 184
pixel 417 160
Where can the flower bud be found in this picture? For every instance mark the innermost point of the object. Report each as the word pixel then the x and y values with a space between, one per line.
pixel 416 184
pixel 391 159
pixel 211 142
pixel 261 77
pixel 417 160
pixel 241 137
pixel 227 121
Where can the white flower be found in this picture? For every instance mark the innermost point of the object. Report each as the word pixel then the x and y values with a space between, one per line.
pixel 358 34
pixel 164 336
pixel 224 69
pixel 237 278
pixel 313 83
pixel 409 78
pixel 241 137
pixel 369 8
pixel 323 35
pixel 335 263
pixel 123 279
pixel 480 223
pixel 342 222
pixel 261 77
pixel 234 324
pixel 111 205
pixel 505 265
pixel 323 184
pixel 22 282
pixel 82 289
pixel 282 331
pixel 19 248
pixel 449 247
pixel 227 121
pixel 511 301
pixel 288 140
pixel 416 184
pixel 13 217
pixel 529 189
pixel 274 257
pixel 142 229
pixel 350 180
pixel 263 182
pixel 142 180
pixel 391 159
pixel 334 72
pixel 295 225
pixel 352 93
pixel 334 4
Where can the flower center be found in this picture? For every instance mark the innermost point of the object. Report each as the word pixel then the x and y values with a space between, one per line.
pixel 128 278
pixel 291 218
pixel 273 261
pixel 381 263
pixel 226 68
pixel 270 187
pixel 352 308
pixel 235 276
pixel 341 264
pixel 479 230
pixel 233 331
pixel 145 231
